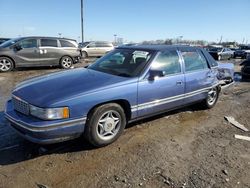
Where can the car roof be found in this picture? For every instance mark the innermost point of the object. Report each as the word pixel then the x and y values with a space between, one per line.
pixel 157 47
pixel 43 37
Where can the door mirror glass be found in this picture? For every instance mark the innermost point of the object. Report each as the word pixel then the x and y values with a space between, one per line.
pixel 18 47
pixel 155 73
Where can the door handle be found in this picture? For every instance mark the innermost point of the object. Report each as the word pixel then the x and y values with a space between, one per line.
pixel 42 51
pixel 179 83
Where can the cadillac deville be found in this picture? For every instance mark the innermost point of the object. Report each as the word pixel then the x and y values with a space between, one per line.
pixel 127 84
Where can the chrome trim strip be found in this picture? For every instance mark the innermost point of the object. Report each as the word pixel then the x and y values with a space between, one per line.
pixel 170 99
pixel 45 128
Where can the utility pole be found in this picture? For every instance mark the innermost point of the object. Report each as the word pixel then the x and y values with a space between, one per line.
pixel 82 21
pixel 221 37
pixel 115 35
pixel 243 40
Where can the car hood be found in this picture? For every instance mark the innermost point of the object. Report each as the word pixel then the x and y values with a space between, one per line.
pixel 46 90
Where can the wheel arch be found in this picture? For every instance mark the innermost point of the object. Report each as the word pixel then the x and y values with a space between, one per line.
pixel 65 55
pixel 84 51
pixel 122 102
pixel 14 63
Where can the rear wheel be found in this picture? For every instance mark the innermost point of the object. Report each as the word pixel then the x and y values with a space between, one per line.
pixel 6 64
pixel 212 98
pixel 66 62
pixel 105 124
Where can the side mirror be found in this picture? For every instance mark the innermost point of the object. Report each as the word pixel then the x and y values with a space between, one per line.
pixel 155 73
pixel 17 47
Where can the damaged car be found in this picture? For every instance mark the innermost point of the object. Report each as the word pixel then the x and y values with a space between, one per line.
pixel 128 84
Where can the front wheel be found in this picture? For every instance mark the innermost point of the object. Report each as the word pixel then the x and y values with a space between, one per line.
pixel 66 62
pixel 84 54
pixel 105 124
pixel 212 98
pixel 6 64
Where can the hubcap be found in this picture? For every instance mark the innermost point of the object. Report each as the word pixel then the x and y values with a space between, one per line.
pixel 108 125
pixel 212 95
pixel 67 62
pixel 5 64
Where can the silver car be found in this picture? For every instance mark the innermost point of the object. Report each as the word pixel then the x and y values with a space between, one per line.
pixel 38 51
pixel 95 48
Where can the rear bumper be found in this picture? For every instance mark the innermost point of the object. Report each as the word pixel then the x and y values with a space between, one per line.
pixel 43 132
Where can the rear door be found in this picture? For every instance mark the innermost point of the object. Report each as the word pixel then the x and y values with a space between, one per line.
pixel 49 51
pixel 198 76
pixel 28 53
pixel 164 92
pixel 91 49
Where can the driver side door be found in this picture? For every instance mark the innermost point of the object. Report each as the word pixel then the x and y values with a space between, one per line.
pixel 27 52
pixel 165 92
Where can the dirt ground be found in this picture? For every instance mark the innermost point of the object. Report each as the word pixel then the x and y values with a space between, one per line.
pixel 190 147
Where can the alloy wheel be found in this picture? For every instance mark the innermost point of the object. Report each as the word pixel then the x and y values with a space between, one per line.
pixel 108 125
pixel 5 64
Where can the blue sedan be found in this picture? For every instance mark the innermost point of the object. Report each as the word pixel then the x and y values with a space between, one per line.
pixel 127 84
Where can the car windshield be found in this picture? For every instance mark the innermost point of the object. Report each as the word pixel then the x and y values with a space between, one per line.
pixel 9 42
pixel 123 62
pixel 215 49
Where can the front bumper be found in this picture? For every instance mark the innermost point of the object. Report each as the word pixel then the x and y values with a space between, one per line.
pixel 43 132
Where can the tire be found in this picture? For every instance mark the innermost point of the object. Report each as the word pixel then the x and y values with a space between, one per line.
pixel 219 58
pixel 84 54
pixel 66 62
pixel 6 64
pixel 212 98
pixel 105 124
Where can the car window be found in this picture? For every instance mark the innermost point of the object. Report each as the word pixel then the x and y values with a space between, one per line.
pixel 49 42
pixel 92 45
pixel 28 43
pixel 105 44
pixel 65 43
pixel 168 62
pixel 194 61
pixel 122 62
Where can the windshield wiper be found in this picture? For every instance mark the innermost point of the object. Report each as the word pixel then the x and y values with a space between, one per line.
pixel 124 75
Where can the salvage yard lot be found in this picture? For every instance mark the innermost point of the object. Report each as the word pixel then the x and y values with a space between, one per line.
pixel 190 147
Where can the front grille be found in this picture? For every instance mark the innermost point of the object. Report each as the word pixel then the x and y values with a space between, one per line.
pixel 20 105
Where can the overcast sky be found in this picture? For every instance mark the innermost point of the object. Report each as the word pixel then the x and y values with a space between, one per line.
pixel 133 20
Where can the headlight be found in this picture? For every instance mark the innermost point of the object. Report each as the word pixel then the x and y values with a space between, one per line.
pixel 49 113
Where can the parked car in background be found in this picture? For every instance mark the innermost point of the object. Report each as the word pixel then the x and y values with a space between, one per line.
pixel 246 49
pixel 221 53
pixel 245 69
pixel 38 51
pixel 127 84
pixel 2 40
pixel 95 48
pixel 240 53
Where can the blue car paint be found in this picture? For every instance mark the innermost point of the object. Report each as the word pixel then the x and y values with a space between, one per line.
pixel 82 89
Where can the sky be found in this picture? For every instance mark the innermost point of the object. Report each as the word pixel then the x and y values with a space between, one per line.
pixel 132 20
